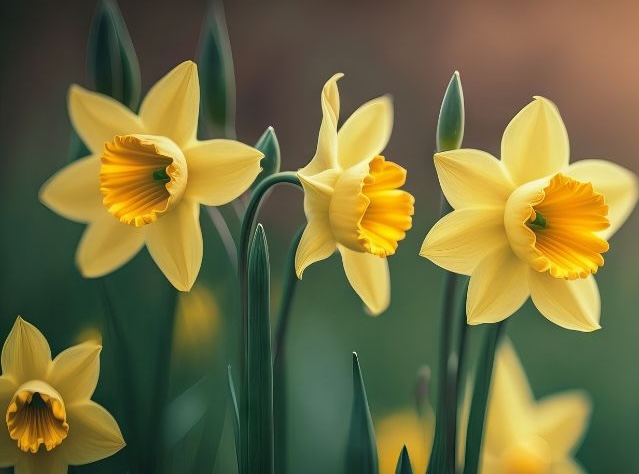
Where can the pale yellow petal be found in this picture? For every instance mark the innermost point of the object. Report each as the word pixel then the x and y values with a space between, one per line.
pixel 106 245
pixel 535 142
pixel 98 118
pixel 172 105
pixel 175 243
pixel 369 277
pixel 41 463
pixel 9 451
pixel 74 372
pixel 572 304
pixel 618 185
pixel 326 154
pixel 220 170
pixel 317 243
pixel 472 178
pixel 498 287
pixel 511 401
pixel 26 354
pixel 74 191
pixel 459 241
pixel 561 420
pixel 318 192
pixel 93 434
pixel 365 134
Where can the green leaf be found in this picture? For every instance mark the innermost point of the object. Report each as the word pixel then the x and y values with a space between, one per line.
pixel 270 146
pixel 260 369
pixel 403 463
pixel 184 412
pixel 112 64
pixel 450 126
pixel 217 77
pixel 361 452
pixel 235 414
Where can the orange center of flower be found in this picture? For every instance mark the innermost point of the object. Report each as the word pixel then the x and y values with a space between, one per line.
pixel 555 229
pixel 388 210
pixel 36 416
pixel 531 457
pixel 142 177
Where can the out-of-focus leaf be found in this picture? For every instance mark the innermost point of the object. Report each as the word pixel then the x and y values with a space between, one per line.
pixel 361 452
pixel 270 146
pixel 259 363
pixel 235 415
pixel 112 64
pixel 184 412
pixel 217 77
pixel 450 126
pixel 403 463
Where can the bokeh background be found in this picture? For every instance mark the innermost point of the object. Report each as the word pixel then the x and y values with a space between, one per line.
pixel 582 55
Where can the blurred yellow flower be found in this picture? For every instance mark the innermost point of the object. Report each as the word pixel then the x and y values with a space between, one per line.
pixel 146 178
pixel 530 224
pixel 352 199
pixel 50 418
pixel 523 436
pixel 403 428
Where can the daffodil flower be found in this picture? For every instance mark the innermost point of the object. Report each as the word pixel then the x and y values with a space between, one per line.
pixel 51 421
pixel 146 178
pixel 530 224
pixel 404 428
pixel 352 199
pixel 526 436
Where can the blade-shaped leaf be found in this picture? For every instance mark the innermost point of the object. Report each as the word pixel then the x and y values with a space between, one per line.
pixel 361 452
pixel 184 412
pixel 270 146
pixel 260 369
pixel 450 126
pixel 217 77
pixel 403 463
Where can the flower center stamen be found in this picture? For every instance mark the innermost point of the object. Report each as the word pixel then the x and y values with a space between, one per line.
pixel 560 227
pixel 388 214
pixel 142 177
pixel 37 416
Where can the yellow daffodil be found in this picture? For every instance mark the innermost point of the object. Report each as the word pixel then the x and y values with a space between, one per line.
pixel 146 178
pixel 530 224
pixel 352 199
pixel 51 422
pixel 523 436
pixel 403 428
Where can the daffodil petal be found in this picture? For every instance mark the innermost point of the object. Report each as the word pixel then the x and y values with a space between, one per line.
pixel 498 287
pixel 8 448
pixel 175 243
pixel 459 241
pixel 172 105
pixel 511 400
pixel 50 462
pixel 365 134
pixel 93 434
pixel 561 420
pixel 369 277
pixel 472 178
pixel 572 304
pixel 74 191
pixel 98 118
pixel 317 243
pixel 618 185
pixel 220 170
pixel 106 245
pixel 567 466
pixel 535 142
pixel 326 154
pixel 26 354
pixel 74 372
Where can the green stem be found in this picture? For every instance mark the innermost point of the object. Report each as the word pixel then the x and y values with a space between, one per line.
pixel 481 390
pixel 279 357
pixel 246 232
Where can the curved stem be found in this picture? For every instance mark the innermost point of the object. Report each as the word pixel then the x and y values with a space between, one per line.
pixel 481 389
pixel 248 227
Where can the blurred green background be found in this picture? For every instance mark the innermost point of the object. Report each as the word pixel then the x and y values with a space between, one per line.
pixel 578 54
